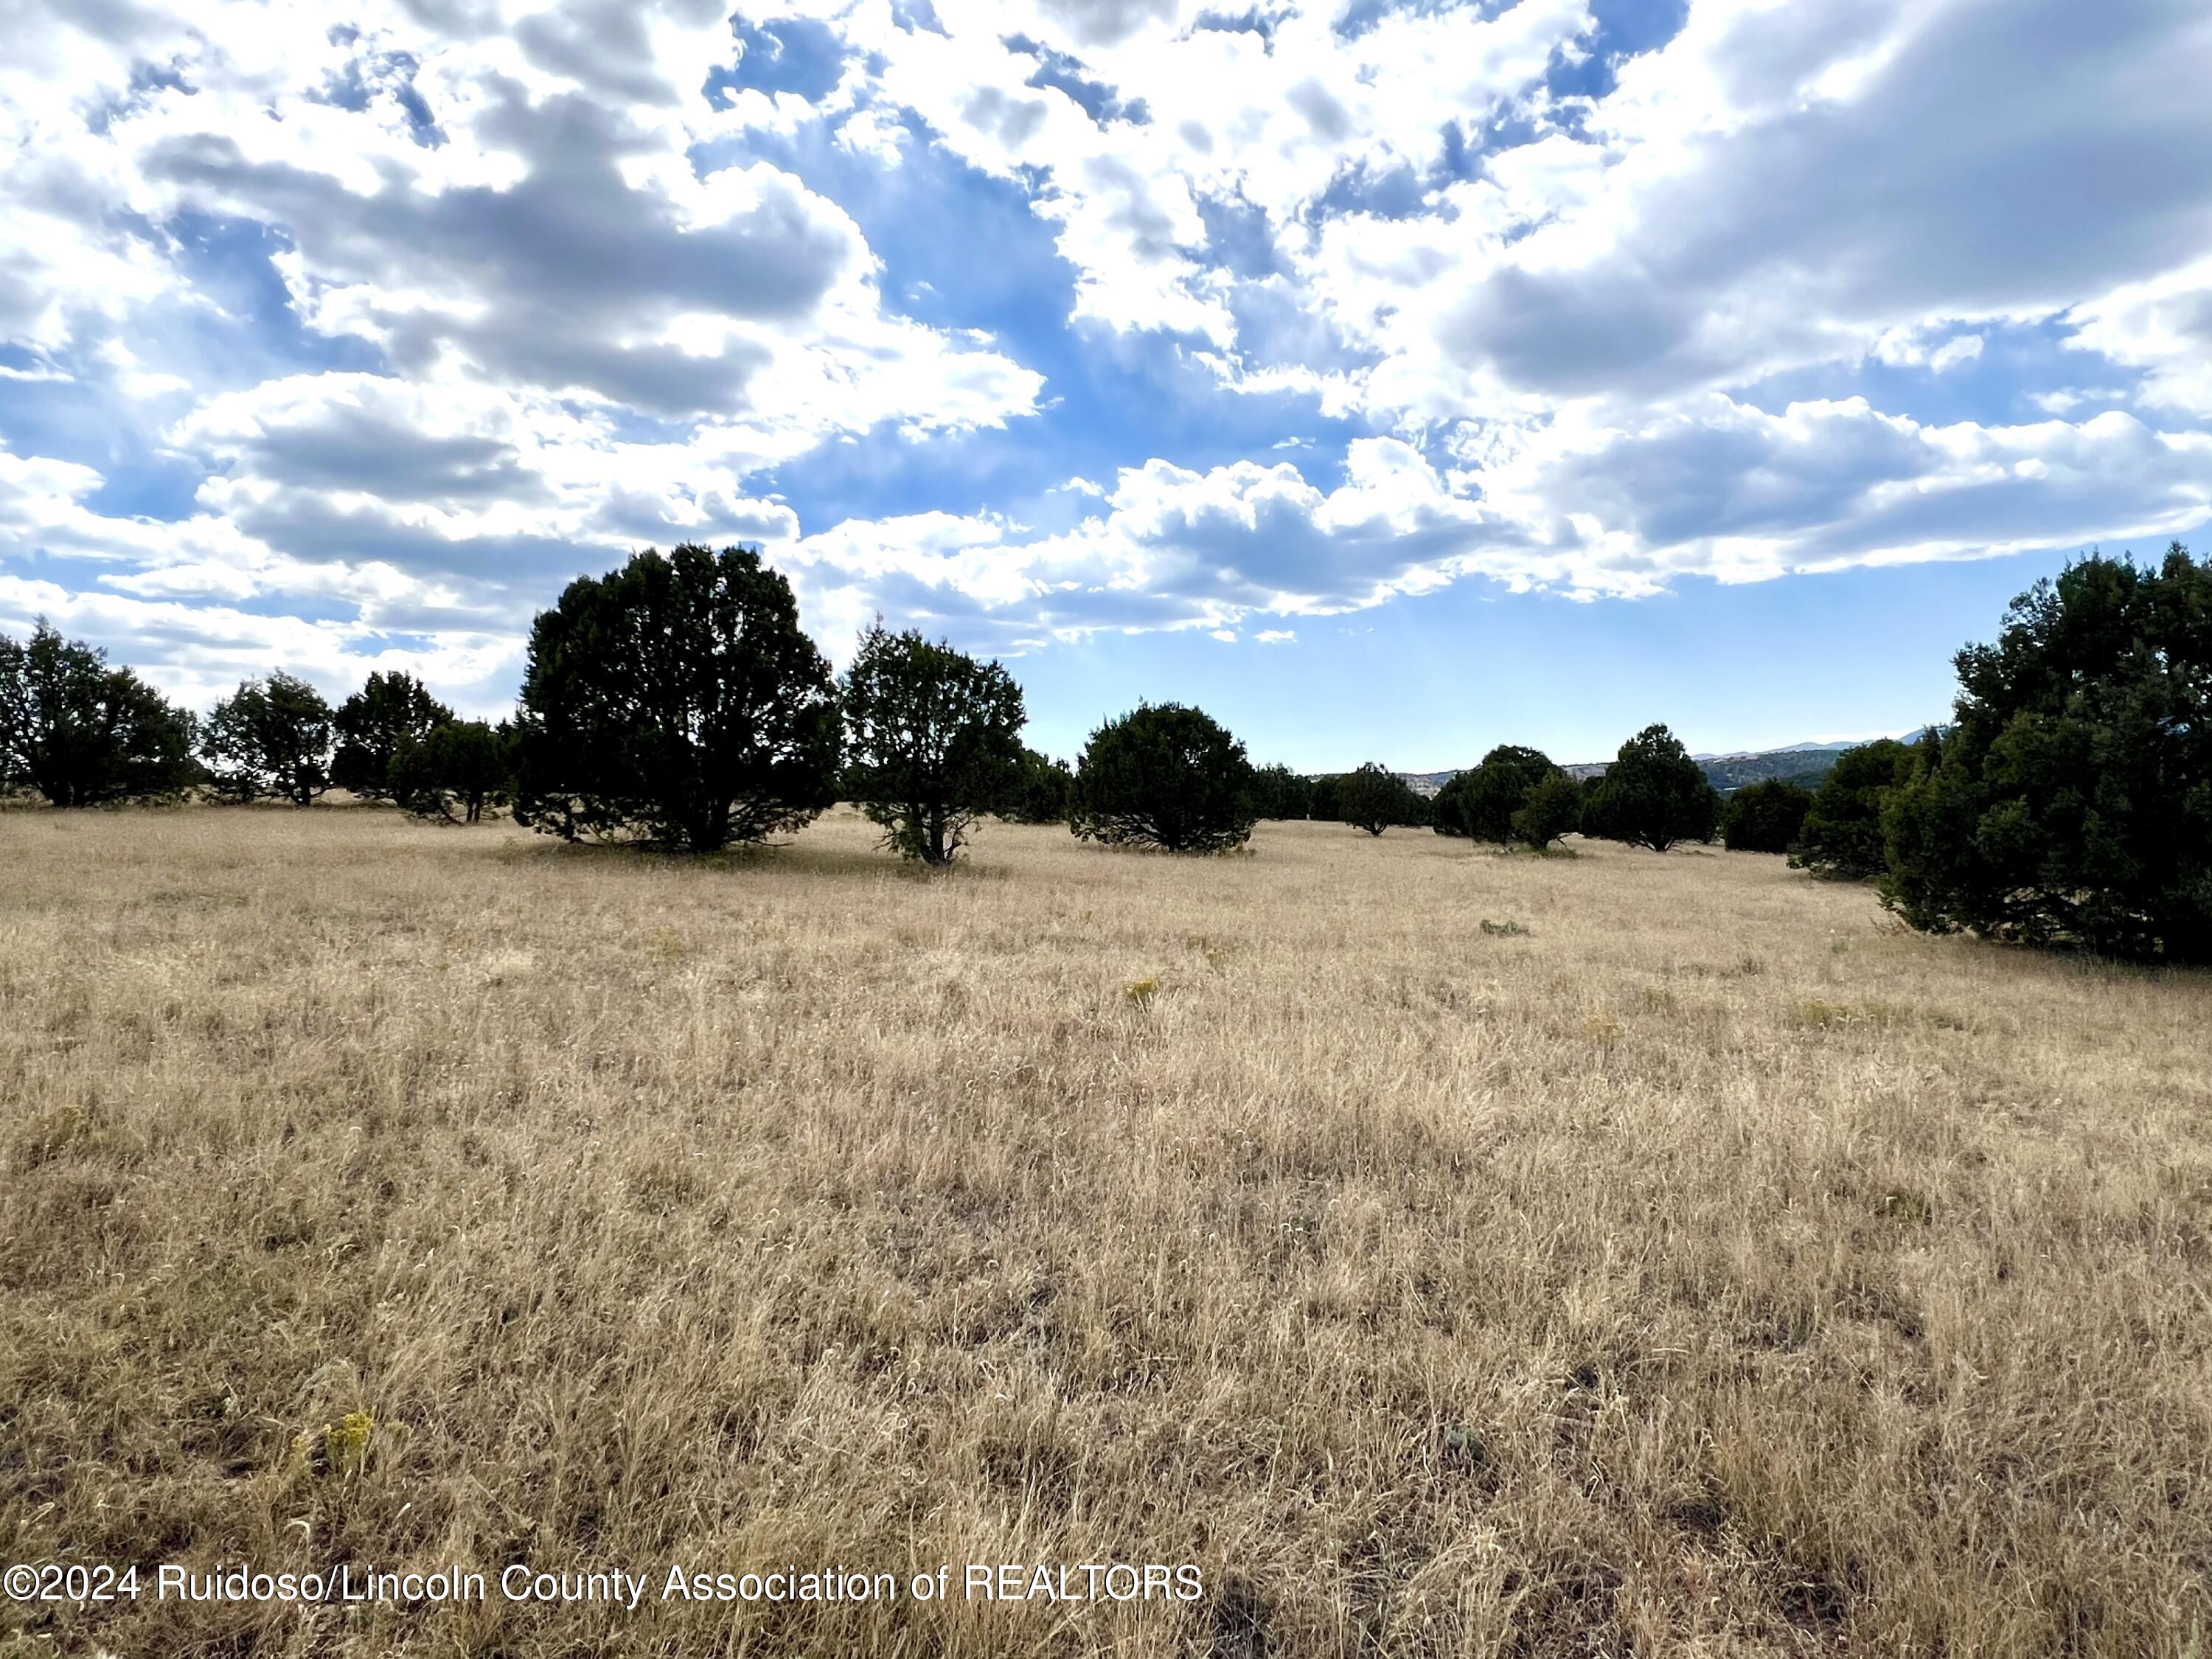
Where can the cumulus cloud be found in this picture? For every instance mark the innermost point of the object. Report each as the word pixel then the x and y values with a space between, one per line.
pixel 430 304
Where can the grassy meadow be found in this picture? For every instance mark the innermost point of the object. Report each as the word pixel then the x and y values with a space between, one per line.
pixel 1448 1253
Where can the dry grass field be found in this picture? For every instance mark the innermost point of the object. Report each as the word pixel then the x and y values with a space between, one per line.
pixel 1446 1254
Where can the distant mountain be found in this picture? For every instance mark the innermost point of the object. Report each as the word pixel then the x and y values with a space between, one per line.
pixel 1805 763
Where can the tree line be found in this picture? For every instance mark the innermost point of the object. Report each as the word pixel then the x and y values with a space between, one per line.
pixel 677 702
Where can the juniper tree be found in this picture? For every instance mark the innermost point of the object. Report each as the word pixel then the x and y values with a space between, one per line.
pixel 1841 833
pixel 82 733
pixel 1653 795
pixel 1764 818
pixel 934 738
pixel 371 725
pixel 1163 775
pixel 270 737
pixel 2071 802
pixel 677 702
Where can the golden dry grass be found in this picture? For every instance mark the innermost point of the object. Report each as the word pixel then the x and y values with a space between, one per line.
pixel 1710 1268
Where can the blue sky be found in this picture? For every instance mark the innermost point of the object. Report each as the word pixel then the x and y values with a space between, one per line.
pixel 1391 379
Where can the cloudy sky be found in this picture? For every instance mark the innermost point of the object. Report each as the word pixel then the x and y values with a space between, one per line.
pixel 1394 379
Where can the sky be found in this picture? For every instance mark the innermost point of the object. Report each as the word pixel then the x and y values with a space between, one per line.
pixel 1390 380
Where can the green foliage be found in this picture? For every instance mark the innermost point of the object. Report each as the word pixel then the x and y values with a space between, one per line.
pixel 1764 818
pixel 1326 804
pixel 675 700
pixel 84 734
pixel 372 723
pixel 1448 812
pixel 1165 776
pixel 270 737
pixel 1653 795
pixel 456 771
pixel 1279 792
pixel 1037 793
pixel 1497 788
pixel 1553 808
pixel 1841 836
pixel 2071 803
pixel 1374 797
pixel 935 739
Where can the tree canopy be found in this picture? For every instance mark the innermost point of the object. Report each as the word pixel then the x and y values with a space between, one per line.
pixel 1163 775
pixel 934 738
pixel 270 738
pixel 1279 792
pixel 1764 818
pixel 372 724
pixel 677 700
pixel 1375 798
pixel 456 771
pixel 1488 796
pixel 82 733
pixel 2071 802
pixel 1037 791
pixel 1841 835
pixel 1653 795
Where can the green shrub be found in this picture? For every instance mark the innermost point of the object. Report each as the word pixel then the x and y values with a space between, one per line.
pixel 1037 791
pixel 1499 787
pixel 1764 818
pixel 371 725
pixel 1279 792
pixel 1163 775
pixel 1841 836
pixel 1551 809
pixel 456 771
pixel 1374 799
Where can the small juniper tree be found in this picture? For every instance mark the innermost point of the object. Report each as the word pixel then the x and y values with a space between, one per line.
pixel 82 733
pixel 270 737
pixel 1447 814
pixel 456 771
pixel 1653 795
pixel 1553 808
pixel 1279 792
pixel 1499 787
pixel 1328 803
pixel 1037 790
pixel 1374 799
pixel 1764 818
pixel 1840 836
pixel 1164 776
pixel 935 740
pixel 676 701
pixel 372 723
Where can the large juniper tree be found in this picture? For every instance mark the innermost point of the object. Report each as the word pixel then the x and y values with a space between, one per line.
pixel 934 738
pixel 1165 776
pixel 2071 803
pixel 676 701
pixel 82 733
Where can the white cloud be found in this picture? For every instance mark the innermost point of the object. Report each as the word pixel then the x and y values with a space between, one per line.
pixel 581 305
